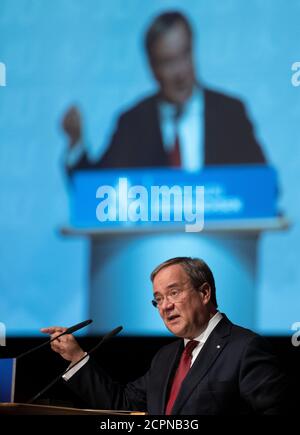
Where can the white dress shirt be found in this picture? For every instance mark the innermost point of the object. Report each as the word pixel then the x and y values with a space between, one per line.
pixel 74 370
pixel 190 130
pixel 204 335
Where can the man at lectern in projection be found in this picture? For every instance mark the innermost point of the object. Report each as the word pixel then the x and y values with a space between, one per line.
pixel 183 124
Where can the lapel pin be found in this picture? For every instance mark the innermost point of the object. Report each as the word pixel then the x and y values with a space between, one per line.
pixel 218 346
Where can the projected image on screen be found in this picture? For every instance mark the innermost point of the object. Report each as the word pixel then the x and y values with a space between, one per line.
pixel 182 124
pixel 174 96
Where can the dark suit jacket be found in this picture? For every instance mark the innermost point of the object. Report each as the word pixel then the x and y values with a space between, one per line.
pixel 137 141
pixel 234 373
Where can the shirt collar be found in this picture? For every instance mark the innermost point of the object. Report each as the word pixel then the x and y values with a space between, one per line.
pixel 168 110
pixel 208 330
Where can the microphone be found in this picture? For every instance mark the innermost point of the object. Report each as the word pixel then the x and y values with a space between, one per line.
pixel 75 328
pixel 70 330
pixel 106 337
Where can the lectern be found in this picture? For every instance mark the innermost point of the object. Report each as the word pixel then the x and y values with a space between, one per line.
pixel 25 409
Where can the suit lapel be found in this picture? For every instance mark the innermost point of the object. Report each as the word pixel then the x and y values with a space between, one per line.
pixel 171 365
pixel 211 128
pixel 211 350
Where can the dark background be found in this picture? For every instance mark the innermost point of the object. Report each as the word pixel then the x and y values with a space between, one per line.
pixel 124 358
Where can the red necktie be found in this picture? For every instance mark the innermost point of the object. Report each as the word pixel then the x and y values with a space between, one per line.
pixel 174 155
pixel 181 372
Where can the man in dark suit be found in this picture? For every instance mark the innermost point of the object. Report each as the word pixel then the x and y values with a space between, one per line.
pixel 184 124
pixel 215 368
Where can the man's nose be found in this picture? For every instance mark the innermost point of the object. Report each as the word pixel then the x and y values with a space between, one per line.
pixel 181 68
pixel 167 304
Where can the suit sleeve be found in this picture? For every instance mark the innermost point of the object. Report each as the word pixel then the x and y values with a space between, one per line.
pixel 263 385
pixel 98 390
pixel 119 153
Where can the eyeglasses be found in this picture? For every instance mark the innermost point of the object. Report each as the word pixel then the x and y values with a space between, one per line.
pixel 173 295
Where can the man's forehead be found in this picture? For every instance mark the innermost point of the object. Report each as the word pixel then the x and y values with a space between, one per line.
pixel 171 41
pixel 170 276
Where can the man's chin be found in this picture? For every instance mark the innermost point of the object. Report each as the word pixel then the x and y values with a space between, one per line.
pixel 179 97
pixel 176 329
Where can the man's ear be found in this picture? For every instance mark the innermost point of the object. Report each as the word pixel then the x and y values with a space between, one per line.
pixel 206 292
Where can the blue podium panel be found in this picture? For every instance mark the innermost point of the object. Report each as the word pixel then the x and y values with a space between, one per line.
pixel 147 198
pixel 7 379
